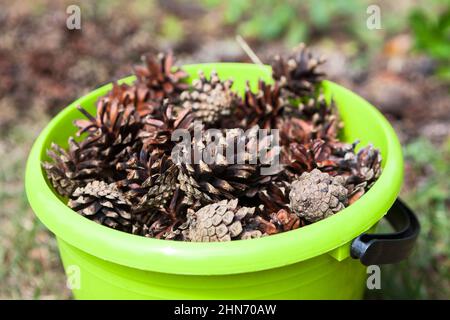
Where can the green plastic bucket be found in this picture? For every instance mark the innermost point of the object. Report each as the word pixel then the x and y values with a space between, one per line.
pixel 312 262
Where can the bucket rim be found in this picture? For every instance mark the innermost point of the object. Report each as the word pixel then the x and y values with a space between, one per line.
pixel 217 258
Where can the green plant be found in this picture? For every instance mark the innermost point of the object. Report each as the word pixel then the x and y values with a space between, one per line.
pixel 432 36
pixel 293 21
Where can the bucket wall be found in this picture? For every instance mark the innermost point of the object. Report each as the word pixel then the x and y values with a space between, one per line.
pixel 322 277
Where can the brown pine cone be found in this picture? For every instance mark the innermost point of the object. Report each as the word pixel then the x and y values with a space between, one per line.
pixel 152 224
pixel 178 231
pixel 299 158
pixel 222 178
pixel 112 134
pixel 284 220
pixel 103 203
pixel 160 77
pixel 73 168
pixel 275 195
pixel 317 195
pixel 362 170
pixel 137 95
pixel 163 223
pixel 314 118
pixel 157 128
pixel 151 180
pixel 262 108
pixel 298 74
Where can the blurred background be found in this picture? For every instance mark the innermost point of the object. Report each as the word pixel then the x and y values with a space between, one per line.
pixel 402 68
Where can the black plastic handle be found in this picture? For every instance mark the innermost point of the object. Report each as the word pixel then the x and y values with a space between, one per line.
pixel 391 247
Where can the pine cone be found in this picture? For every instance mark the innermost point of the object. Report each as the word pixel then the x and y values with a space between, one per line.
pixel 220 178
pixel 314 118
pixel 73 168
pixel 317 195
pixel 137 96
pixel 262 108
pixel 178 231
pixel 112 134
pixel 165 222
pixel 210 100
pixel 363 170
pixel 223 221
pixel 103 203
pixel 298 74
pixel 152 224
pixel 275 196
pixel 284 220
pixel 151 180
pixel 299 158
pixel 160 77
pixel 158 128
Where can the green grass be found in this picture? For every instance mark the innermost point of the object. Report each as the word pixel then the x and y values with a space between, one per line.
pixel 30 266
pixel 426 274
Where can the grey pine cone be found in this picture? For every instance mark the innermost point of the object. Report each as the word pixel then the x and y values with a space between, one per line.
pixel 103 203
pixel 317 195
pixel 210 99
pixel 221 221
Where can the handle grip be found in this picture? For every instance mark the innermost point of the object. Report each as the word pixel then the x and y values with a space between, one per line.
pixel 391 247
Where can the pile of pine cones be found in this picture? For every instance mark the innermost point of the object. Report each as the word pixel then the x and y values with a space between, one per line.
pixel 122 174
